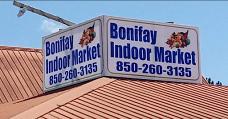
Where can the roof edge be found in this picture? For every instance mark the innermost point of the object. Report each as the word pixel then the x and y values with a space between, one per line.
pixel 41 109
pixel 20 49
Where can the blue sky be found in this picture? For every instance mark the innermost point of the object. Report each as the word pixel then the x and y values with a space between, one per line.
pixel 211 17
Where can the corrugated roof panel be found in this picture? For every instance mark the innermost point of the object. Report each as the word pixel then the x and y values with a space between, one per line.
pixel 148 99
pixel 166 101
pixel 21 73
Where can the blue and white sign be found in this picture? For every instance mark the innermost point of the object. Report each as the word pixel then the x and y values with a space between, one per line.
pixel 119 47
pixel 72 55
pixel 154 51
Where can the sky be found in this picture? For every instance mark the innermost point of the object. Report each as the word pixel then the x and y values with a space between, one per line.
pixel 210 17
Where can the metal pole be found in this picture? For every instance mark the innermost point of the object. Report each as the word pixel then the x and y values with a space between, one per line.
pixel 42 13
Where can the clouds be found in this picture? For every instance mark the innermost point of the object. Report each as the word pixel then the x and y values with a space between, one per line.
pixel 48 26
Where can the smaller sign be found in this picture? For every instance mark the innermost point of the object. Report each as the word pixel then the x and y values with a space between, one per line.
pixel 72 55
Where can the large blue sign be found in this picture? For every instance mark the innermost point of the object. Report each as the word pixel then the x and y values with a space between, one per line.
pixel 125 48
pixel 155 51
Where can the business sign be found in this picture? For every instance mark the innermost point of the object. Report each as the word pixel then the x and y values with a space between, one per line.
pixel 149 50
pixel 125 48
pixel 73 55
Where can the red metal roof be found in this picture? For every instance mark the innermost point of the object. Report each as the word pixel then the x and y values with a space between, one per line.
pixel 20 73
pixel 138 99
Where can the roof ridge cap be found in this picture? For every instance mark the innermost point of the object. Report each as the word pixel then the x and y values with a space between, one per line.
pixel 12 48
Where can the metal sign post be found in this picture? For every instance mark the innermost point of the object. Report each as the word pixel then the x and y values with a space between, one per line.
pixel 40 12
